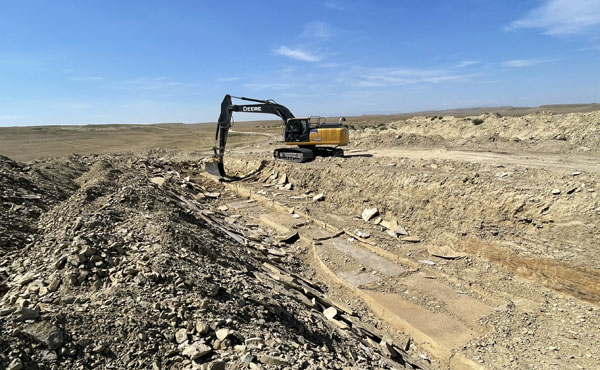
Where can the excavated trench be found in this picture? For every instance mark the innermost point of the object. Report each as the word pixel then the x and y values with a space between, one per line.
pixel 504 238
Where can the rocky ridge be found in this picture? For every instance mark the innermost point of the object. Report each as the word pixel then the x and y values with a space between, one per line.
pixel 544 131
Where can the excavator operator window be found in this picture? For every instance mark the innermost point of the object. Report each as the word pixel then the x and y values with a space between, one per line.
pixel 297 130
pixel 295 126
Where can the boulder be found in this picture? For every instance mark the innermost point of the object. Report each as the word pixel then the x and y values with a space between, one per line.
pixel 45 333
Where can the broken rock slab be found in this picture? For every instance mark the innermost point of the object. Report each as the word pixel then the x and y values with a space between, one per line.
pixel 283 179
pixel 45 333
pixel 388 349
pixel 411 239
pixel 390 225
pixel 158 180
pixel 24 313
pixel 290 238
pixel 444 251
pixel 319 197
pixel 216 365
pixel 272 360
pixel 330 313
pixel 399 230
pixel 393 228
pixel 196 350
pixel 16 364
pixel 222 334
pixel 369 213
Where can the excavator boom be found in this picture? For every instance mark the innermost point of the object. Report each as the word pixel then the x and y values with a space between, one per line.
pixel 215 165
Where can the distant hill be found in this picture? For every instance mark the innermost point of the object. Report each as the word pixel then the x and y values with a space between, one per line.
pixel 505 111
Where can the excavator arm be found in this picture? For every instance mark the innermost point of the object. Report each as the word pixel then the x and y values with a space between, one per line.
pixel 215 165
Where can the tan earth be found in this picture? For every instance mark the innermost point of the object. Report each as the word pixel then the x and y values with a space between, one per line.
pixel 514 199
pixel 483 249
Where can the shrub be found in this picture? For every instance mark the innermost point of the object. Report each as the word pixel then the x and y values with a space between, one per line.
pixel 477 121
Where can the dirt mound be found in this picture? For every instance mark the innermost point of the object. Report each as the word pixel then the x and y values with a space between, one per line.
pixel 125 267
pixel 541 132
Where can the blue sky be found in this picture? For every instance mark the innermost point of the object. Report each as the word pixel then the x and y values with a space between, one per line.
pixel 81 62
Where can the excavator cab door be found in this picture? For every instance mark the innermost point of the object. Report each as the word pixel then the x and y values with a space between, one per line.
pixel 297 130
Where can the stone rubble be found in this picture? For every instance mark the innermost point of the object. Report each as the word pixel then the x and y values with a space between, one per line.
pixel 120 261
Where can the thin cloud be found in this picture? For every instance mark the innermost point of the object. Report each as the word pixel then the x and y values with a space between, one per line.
pixel 561 17
pixel 297 54
pixel 381 77
pixel 150 83
pixel 87 78
pixel 466 63
pixel 520 63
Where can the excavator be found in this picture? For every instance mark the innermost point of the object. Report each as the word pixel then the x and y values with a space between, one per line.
pixel 307 133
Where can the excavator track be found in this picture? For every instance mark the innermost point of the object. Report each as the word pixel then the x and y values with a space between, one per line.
pixel 323 151
pixel 294 154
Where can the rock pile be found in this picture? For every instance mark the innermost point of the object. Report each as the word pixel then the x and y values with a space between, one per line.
pixel 107 267
pixel 27 191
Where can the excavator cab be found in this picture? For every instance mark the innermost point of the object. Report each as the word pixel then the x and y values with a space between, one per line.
pixel 297 130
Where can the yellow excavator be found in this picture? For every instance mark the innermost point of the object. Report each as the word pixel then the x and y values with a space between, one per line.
pixel 308 134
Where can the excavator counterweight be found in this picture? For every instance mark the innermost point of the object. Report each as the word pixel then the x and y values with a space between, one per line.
pixel 306 133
